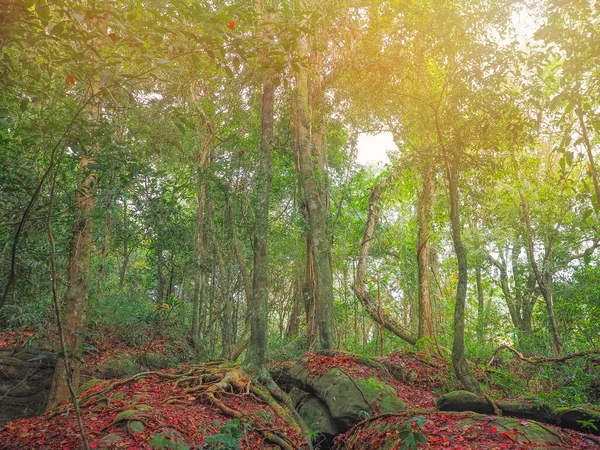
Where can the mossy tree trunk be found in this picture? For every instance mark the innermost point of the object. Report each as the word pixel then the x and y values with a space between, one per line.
pixel 426 327
pixel 313 175
pixel 459 361
pixel 259 302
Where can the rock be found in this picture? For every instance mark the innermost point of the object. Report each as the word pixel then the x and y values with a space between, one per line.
pixel 154 361
pixel 119 368
pixel 348 398
pixel 111 439
pixel 169 440
pixel 89 385
pixel 459 430
pixel 317 416
pixel 463 401
pixel 135 426
pixel 580 419
pixel 25 380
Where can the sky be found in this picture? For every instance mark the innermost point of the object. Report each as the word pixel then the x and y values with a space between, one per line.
pixel 372 148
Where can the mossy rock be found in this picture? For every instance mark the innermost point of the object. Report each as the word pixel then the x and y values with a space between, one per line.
pixel 317 416
pixel 119 368
pixel 349 398
pixel 131 414
pixel 154 361
pixel 112 439
pixel 135 426
pixel 89 385
pixel 463 401
pixel 168 441
pixel 462 430
pixel 581 419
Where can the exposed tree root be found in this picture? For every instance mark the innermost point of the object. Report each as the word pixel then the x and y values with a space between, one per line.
pixel 497 411
pixel 213 380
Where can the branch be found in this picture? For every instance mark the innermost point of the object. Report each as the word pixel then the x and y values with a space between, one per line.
pixel 359 288
pixel 539 359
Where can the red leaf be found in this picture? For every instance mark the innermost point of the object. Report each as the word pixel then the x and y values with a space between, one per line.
pixel 70 80
pixel 231 24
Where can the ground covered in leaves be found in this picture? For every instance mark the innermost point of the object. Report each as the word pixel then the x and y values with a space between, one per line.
pixel 459 431
pixel 175 409
pixel 218 406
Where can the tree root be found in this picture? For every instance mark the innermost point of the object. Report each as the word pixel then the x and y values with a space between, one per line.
pixel 497 411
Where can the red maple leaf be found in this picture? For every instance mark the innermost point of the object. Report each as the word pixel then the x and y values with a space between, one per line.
pixel 231 24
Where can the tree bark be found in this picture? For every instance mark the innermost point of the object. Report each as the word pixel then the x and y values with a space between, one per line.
pixel 542 280
pixel 426 327
pixel 588 147
pixel 459 361
pixel 480 305
pixel 76 298
pixel 259 302
pixel 105 242
pixel 313 176
pixel 125 253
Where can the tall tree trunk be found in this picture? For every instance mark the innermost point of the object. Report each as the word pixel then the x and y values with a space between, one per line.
pixel 542 280
pixel 105 242
pixel 259 305
pixel 426 327
pixel 293 326
pixel 459 361
pixel 76 298
pixel 313 176
pixel 588 147
pixel 160 282
pixel 480 305
pixel 125 251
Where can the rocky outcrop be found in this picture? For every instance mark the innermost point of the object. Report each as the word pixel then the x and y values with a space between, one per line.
pixel 579 419
pixel 25 379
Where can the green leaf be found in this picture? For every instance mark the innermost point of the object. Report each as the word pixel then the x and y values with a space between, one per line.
pixel 569 156
pixel 57 30
pixel 43 13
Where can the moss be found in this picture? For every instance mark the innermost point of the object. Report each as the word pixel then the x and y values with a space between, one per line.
pixel 131 414
pixel 119 368
pixel 136 426
pixel 348 397
pixel 317 417
pixel 166 441
pixel 154 361
pixel 88 385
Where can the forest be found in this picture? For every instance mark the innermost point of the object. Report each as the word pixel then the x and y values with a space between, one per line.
pixel 194 254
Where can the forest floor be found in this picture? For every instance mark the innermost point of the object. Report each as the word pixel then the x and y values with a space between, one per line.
pixel 217 406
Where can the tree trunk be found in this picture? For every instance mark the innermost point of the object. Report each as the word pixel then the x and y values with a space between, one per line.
pixel 542 281
pixel 104 254
pixel 588 147
pixel 259 304
pixel 426 327
pixel 125 253
pixel 160 282
pixel 480 306
pixel 76 298
pixel 459 361
pixel 313 176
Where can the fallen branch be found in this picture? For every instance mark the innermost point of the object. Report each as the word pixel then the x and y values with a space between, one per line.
pixel 540 359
